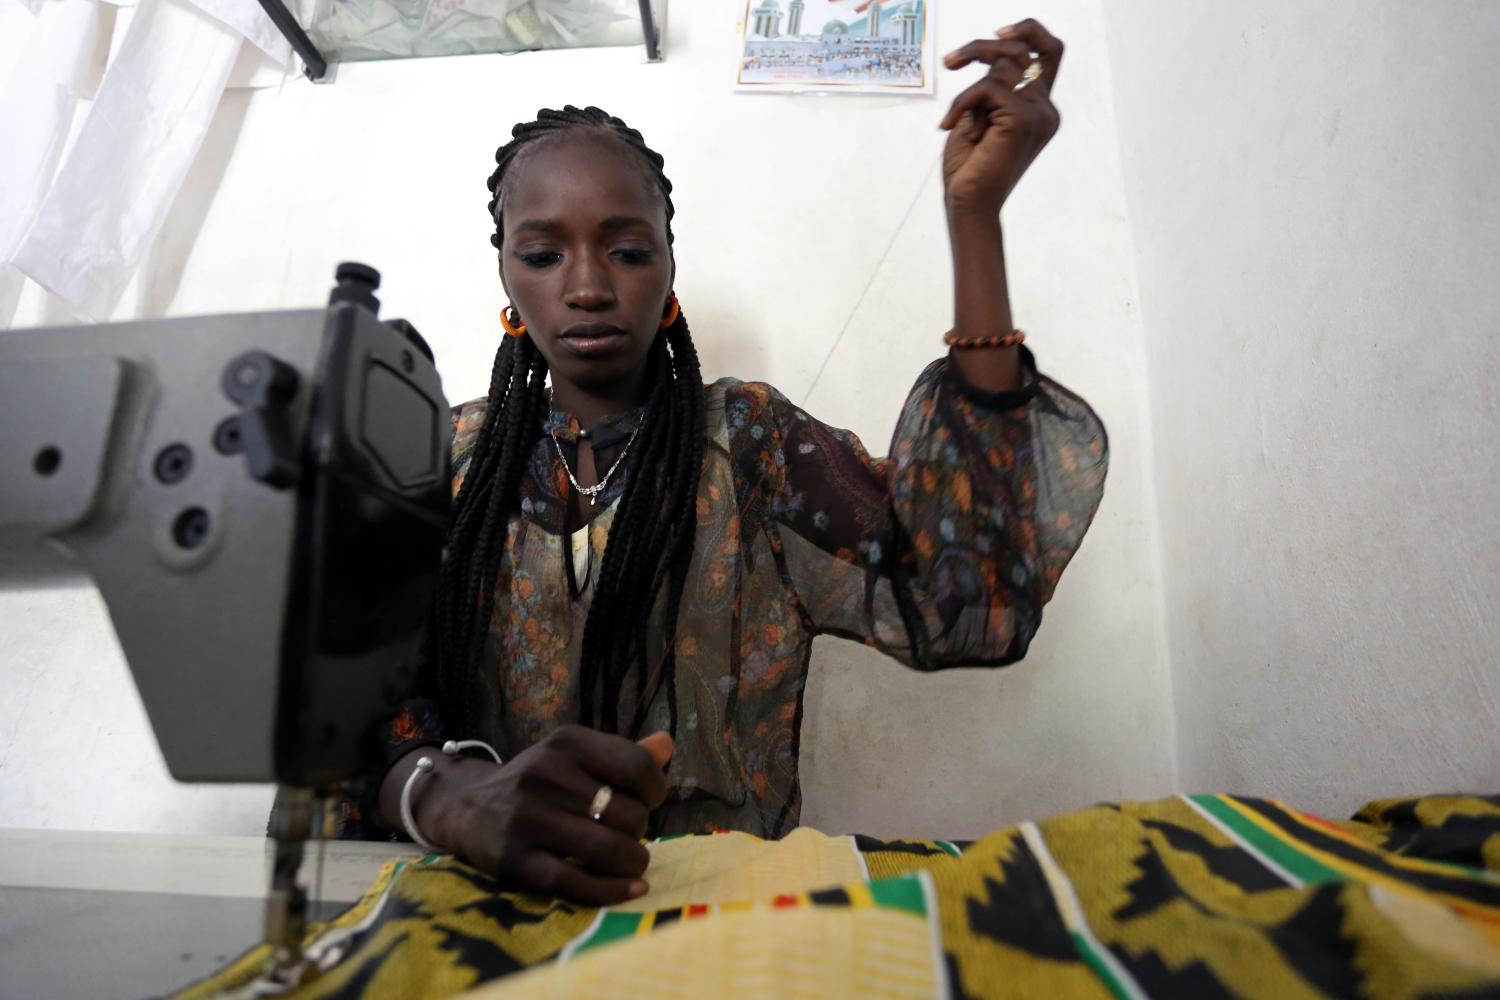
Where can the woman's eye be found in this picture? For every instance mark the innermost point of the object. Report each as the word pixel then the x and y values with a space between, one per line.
pixel 536 258
pixel 633 255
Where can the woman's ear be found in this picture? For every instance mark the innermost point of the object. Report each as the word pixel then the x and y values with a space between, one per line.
pixel 504 288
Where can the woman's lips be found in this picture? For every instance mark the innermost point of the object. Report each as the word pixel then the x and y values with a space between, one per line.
pixel 592 338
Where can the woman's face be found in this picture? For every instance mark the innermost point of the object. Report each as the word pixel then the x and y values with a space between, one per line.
pixel 585 261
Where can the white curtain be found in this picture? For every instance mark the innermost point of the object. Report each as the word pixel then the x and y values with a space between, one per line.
pixel 60 64
pixel 78 219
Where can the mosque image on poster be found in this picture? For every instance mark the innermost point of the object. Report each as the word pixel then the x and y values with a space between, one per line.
pixel 884 46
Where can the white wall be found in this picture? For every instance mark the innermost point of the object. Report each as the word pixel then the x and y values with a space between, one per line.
pixel 1087 716
pixel 1311 189
pixel 787 207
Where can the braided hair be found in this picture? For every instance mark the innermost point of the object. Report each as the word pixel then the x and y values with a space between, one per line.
pixel 651 541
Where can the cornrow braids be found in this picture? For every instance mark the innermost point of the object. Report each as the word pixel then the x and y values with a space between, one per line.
pixel 650 544
pixel 549 122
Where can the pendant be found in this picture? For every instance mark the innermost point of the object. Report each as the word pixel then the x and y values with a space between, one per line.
pixel 593 501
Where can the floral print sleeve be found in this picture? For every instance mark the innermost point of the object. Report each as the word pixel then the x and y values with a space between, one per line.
pixel 944 553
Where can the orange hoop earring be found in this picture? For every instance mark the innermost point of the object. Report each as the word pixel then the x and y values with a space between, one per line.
pixel 512 327
pixel 673 311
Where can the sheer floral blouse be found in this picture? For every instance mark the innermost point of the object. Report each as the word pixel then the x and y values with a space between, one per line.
pixel 941 555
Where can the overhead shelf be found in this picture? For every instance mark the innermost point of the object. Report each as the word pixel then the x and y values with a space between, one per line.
pixel 325 32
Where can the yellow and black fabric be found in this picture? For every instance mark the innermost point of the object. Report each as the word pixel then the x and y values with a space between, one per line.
pixel 1192 896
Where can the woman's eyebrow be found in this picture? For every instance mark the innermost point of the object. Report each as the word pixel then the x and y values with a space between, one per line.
pixel 622 222
pixel 539 225
pixel 611 224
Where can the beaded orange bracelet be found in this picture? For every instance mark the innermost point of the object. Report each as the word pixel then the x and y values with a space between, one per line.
pixel 1011 339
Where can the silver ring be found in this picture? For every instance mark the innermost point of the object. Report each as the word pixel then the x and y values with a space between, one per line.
pixel 600 803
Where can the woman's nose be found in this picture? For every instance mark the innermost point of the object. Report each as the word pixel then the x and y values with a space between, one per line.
pixel 589 286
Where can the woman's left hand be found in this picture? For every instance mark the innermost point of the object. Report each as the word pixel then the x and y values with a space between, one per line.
pixel 997 126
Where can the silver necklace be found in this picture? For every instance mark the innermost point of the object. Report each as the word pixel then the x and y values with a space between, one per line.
pixel 592 492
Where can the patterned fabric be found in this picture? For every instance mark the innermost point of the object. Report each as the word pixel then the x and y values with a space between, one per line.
pixel 1195 896
pixel 941 555
pixel 861 941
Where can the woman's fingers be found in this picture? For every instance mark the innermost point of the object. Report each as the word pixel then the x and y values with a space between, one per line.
pixel 659 746
pixel 616 761
pixel 575 793
pixel 1048 48
pixel 1025 113
pixel 626 767
pixel 977 100
pixel 599 848
pixel 991 51
pixel 1008 61
pixel 627 814
pixel 549 875
pixel 967 100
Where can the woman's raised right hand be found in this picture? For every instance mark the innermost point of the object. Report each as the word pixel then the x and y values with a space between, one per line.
pixel 527 822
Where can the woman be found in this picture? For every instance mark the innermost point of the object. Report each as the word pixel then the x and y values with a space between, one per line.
pixel 635 557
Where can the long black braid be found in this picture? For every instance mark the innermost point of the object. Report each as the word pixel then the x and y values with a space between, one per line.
pixel 651 541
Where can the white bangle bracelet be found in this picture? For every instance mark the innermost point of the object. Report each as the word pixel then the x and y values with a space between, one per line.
pixel 424 767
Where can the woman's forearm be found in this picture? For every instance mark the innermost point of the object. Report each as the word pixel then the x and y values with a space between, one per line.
pixel 981 300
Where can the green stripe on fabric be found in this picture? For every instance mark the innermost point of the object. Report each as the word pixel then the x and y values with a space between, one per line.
pixel 1093 952
pixel 1241 843
pixel 949 848
pixel 1415 872
pixel 1279 850
pixel 1102 969
pixel 612 927
pixel 904 892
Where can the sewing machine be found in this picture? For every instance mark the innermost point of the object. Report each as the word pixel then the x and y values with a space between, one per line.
pixel 261 500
